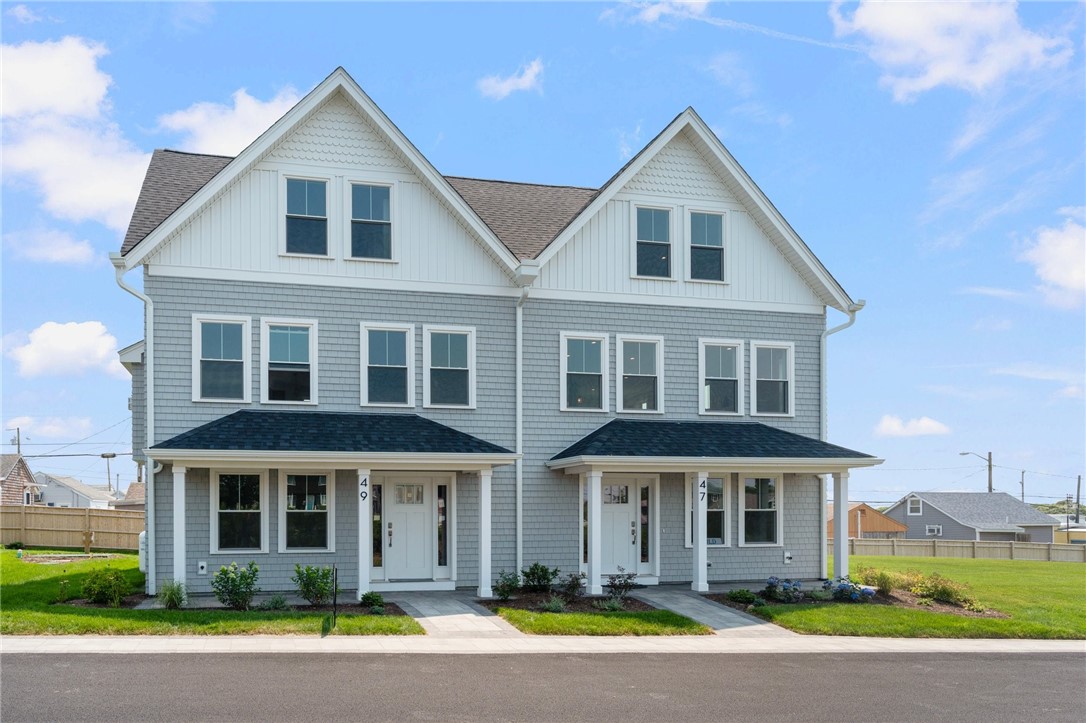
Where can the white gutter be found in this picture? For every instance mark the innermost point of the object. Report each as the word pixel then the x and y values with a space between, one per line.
pixel 527 272
pixel 149 418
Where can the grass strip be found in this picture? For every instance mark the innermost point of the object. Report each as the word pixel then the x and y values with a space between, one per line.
pixel 655 622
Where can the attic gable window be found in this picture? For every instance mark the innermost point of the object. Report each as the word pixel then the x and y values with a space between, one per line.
pixel 307 217
pixel 915 506
pixel 654 242
pixel 371 222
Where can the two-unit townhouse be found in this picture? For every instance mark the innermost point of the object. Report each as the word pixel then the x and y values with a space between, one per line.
pixel 350 358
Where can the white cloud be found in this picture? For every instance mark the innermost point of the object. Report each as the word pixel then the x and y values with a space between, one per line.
pixel 189 16
pixel 992 324
pixel 1058 256
pixel 49 246
pixel 227 129
pixel 527 77
pixel 891 426
pixel 993 291
pixel 653 12
pixel 970 46
pixel 729 70
pixel 51 428
pixel 758 113
pixel 23 14
pixel 972 395
pixel 1070 380
pixel 629 142
pixel 69 349
pixel 58 77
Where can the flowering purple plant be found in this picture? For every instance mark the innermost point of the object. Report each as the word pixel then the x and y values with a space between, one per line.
pixel 845 590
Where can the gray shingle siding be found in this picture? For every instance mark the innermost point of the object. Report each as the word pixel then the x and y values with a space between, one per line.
pixel 930 516
pixel 139 412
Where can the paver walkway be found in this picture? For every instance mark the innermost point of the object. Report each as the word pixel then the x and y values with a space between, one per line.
pixel 452 615
pixel 725 621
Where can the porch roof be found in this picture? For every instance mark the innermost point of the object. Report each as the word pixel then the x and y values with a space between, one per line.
pixel 660 445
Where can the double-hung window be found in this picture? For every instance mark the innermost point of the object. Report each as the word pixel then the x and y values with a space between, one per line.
pixel 915 506
pixel 306 512
pixel 371 222
pixel 388 364
pixel 449 371
pixel 706 246
pixel 721 364
pixel 288 372
pixel 307 217
pixel 773 391
pixel 221 358
pixel 653 226
pixel 584 372
pixel 640 374
pixel 239 512
pixel 760 516
pixel 716 511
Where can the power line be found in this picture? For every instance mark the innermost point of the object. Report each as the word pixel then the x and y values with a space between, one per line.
pixel 1029 471
pixel 94 434
pixel 75 454
pixel 915 469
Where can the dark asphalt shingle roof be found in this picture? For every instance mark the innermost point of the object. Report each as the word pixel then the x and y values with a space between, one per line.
pixel 636 438
pixel 985 510
pixel 276 431
pixel 524 216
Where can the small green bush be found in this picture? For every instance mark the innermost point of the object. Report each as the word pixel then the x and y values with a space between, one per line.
pixel 610 605
pixel 571 588
pixel 235 586
pixel 275 603
pixel 745 597
pixel 554 605
pixel 64 591
pixel 843 589
pixel 105 586
pixel 938 588
pixel 785 591
pixel 620 584
pixel 538 577
pixel 314 583
pixel 173 595
pixel 506 584
pixel 371 599
pixel 377 610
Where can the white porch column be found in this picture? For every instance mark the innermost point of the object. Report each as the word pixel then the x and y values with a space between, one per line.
pixel 179 561
pixel 700 580
pixel 365 532
pixel 485 589
pixel 840 524
pixel 594 480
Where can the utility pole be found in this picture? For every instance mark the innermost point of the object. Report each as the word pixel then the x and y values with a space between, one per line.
pixel 1078 500
pixel 109 476
pixel 1022 482
pixel 989 473
pixel 18 440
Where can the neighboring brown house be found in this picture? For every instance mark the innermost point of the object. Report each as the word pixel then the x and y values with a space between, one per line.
pixel 16 482
pixel 133 497
pixel 866 522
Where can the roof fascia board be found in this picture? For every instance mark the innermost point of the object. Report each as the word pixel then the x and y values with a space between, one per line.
pixel 695 464
pixel 338 460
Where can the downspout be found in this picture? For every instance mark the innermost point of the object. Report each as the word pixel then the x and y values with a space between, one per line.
pixel 853 309
pixel 149 420
pixel 527 272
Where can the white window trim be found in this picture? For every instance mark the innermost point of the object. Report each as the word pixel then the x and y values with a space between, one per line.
pixel 348 214
pixel 620 370
pixel 688 237
pixel 214 503
pixel 689 536
pixel 427 330
pixel 741 513
pixel 330 208
pixel 933 530
pixel 364 328
pixel 740 363
pixel 605 364
pixel 265 349
pixel 674 255
pixel 754 347
pixel 246 355
pixel 331 541
pixel 908 507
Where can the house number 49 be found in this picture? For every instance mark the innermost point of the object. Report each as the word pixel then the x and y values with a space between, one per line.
pixel 363 484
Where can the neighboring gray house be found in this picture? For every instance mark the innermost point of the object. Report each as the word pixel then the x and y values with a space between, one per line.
pixel 350 358
pixel 971 516
pixel 60 491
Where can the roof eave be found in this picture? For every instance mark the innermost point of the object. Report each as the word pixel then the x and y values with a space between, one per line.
pixel 408 461
pixel 811 465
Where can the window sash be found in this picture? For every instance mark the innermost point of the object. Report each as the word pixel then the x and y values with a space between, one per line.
pixel 239 513
pixel 761 510
pixel 306 511
pixel 449 374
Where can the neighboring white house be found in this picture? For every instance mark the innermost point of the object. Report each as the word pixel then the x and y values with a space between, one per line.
pixel 60 491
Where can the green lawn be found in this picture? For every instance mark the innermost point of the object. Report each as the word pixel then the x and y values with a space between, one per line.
pixel 655 622
pixel 28 589
pixel 1042 600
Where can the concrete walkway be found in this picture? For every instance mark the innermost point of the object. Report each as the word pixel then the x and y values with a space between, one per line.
pixel 452 615
pixel 725 621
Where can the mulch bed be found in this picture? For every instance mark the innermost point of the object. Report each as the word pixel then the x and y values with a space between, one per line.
pixel 128 602
pixel 391 609
pixel 534 600
pixel 897 598
pixel 132 601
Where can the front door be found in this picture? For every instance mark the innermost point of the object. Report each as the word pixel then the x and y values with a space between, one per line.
pixel 408 534
pixel 627 522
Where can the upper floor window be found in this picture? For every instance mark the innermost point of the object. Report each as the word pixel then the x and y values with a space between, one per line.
pixel 371 222
pixel 707 246
pixel 773 391
pixel 239 512
pixel 307 217
pixel 654 242
pixel 388 356
pixel 915 506
pixel 721 363
pixel 289 369
pixel 449 372
pixel 220 358
pixel 640 376
pixel 584 376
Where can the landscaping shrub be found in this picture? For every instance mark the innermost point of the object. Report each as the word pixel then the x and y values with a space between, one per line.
pixel 571 588
pixel 64 591
pixel 314 583
pixel 371 599
pixel 173 595
pixel 377 609
pixel 506 584
pixel 554 605
pixel 105 586
pixel 746 597
pixel 785 591
pixel 235 586
pixel 275 602
pixel 844 590
pixel 620 584
pixel 938 588
pixel 538 577
pixel 609 605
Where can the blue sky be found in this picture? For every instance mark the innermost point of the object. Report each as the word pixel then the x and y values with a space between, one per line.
pixel 932 156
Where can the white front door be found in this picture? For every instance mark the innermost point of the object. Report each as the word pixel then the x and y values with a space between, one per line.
pixel 408 533
pixel 627 525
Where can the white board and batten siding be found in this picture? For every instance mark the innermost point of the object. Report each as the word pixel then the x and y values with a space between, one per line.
pixel 240 232
pixel 600 256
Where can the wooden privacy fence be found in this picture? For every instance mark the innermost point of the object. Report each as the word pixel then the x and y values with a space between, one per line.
pixel 71 527
pixel 979 549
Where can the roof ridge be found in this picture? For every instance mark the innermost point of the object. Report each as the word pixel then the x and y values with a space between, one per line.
pixel 522 183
